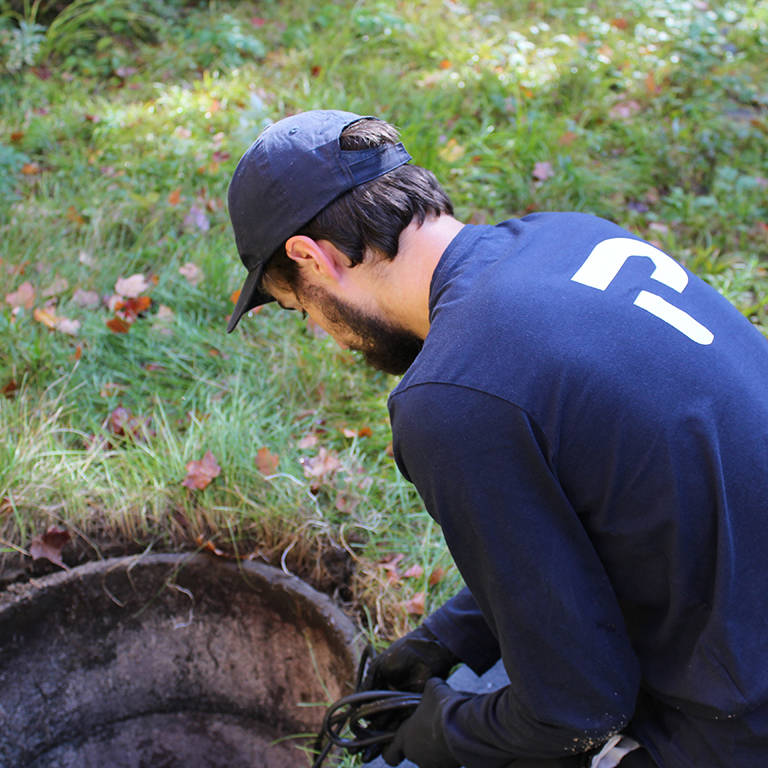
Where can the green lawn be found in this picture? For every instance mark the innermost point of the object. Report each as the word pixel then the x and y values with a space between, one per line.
pixel 119 130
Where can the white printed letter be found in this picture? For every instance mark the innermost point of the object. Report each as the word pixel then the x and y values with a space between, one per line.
pixel 608 257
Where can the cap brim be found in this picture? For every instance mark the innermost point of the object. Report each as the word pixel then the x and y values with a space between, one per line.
pixel 250 297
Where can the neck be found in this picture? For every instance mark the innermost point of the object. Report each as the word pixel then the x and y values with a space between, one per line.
pixel 407 278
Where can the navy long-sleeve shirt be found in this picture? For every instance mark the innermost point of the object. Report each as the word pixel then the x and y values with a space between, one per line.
pixel 588 422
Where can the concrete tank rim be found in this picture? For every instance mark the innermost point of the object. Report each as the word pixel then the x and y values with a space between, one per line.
pixel 15 596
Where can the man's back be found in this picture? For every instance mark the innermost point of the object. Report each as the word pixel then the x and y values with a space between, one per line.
pixel 589 425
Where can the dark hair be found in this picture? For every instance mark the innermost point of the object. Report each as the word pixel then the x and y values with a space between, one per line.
pixel 372 215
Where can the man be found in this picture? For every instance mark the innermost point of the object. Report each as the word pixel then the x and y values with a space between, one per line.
pixel 587 421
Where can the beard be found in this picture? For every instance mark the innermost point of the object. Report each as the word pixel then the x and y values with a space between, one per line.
pixel 384 346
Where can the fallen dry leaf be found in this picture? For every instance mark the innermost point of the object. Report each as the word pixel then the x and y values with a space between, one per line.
pixel 50 545
pixel 175 196
pixel 416 605
pixel 10 388
pixel 308 441
pixel 437 575
pixel 321 466
pixel 131 287
pixel 129 309
pixel 23 296
pixel 414 572
pixel 46 316
pixel 266 462
pixel 201 473
pixel 118 325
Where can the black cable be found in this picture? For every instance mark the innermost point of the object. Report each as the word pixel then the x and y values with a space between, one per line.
pixel 356 712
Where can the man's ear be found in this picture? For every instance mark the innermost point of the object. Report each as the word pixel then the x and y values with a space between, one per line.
pixel 320 257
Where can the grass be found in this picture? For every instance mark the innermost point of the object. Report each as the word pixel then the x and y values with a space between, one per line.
pixel 115 154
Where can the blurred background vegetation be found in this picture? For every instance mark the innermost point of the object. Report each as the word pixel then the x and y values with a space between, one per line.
pixel 121 122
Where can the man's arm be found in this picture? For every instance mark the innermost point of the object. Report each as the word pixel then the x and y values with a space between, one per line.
pixel 484 473
pixel 460 626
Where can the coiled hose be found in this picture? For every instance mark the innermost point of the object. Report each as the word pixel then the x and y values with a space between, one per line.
pixel 357 714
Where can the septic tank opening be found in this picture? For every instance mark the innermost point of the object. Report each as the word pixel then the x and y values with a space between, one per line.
pixel 168 660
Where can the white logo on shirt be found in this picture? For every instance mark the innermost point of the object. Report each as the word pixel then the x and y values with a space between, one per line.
pixel 608 257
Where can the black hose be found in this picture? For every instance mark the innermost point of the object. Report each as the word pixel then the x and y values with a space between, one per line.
pixel 357 712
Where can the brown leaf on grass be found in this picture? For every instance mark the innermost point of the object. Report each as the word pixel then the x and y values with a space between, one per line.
pixel 48 317
pixel 49 545
pixel 308 441
pixel 362 432
pixel 234 296
pixel 266 462
pixel 414 572
pixel 131 287
pixel 10 388
pixel 416 605
pixel 130 308
pixel 321 466
pixel 23 296
pixel 437 575
pixel 175 196
pixel 30 169
pixel 201 473
pixel 389 565
pixel 118 325
pixel 74 216
pixel 567 138
pixel 122 423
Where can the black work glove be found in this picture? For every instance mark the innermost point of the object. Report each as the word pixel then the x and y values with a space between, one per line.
pixel 421 737
pixel 409 662
pixel 405 666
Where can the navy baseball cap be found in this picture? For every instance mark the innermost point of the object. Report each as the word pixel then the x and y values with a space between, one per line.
pixel 288 175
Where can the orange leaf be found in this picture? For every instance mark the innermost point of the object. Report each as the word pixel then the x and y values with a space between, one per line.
pixel 234 296
pixel 73 216
pixel 416 605
pixel 200 473
pixel 175 196
pixel 445 64
pixel 133 307
pixel 17 136
pixel 436 576
pixel 46 317
pixel 619 23
pixel 118 325
pixel 266 462
pixel 364 432
pixel 30 169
